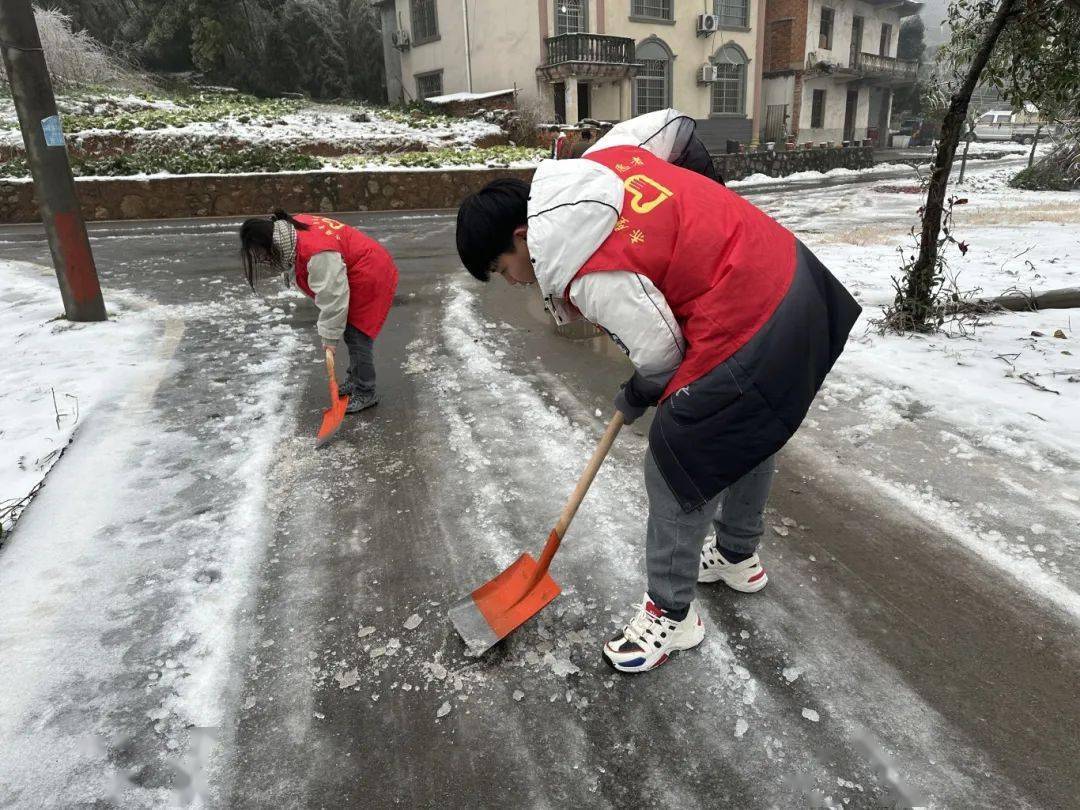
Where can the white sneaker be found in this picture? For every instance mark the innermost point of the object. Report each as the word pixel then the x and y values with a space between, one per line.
pixel 746 577
pixel 651 638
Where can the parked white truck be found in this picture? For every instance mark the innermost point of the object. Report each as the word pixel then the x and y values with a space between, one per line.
pixel 1005 125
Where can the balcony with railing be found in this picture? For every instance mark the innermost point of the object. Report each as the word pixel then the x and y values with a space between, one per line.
pixel 886 67
pixel 587 56
pixel 878 69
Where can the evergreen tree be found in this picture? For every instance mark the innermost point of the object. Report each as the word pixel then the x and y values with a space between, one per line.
pixel 911 45
pixel 325 48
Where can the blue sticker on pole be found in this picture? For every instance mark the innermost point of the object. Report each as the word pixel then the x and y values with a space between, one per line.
pixel 54 133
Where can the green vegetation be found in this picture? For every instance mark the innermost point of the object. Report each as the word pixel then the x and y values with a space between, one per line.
pixel 439 158
pixel 104 110
pixel 416 117
pixel 151 159
pixel 154 159
pixel 1041 177
pixel 326 49
pixel 202 108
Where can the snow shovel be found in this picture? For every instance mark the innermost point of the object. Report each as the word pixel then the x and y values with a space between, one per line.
pixel 498 607
pixel 332 416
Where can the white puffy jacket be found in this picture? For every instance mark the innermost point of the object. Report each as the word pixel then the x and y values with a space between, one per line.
pixel 573 208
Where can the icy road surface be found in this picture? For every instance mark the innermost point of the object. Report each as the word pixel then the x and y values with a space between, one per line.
pixel 200 608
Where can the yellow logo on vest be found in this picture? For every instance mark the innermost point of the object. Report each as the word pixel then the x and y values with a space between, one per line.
pixel 646 193
pixel 328 226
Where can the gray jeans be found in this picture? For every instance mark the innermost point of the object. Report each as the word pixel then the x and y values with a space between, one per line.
pixel 674 538
pixel 361 377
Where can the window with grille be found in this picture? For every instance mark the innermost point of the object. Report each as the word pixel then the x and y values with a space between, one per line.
pixel 425 21
pixel 571 16
pixel 429 84
pixel 825 31
pixel 656 9
pixel 729 89
pixel 817 110
pixel 651 85
pixel 733 13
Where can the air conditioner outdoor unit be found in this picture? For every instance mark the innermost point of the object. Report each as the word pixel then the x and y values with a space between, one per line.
pixel 400 39
pixel 708 74
pixel 708 24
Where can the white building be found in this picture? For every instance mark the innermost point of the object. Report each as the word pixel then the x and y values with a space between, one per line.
pixel 603 59
pixel 830 67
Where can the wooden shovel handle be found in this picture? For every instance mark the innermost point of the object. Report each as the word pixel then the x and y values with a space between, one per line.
pixel 332 374
pixel 578 495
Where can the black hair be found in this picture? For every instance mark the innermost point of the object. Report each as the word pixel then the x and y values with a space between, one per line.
pixel 486 221
pixel 257 238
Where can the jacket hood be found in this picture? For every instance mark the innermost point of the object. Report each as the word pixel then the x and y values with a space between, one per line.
pixel 573 208
pixel 665 133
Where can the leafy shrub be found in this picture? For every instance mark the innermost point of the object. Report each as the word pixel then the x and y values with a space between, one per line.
pixel 201 108
pixel 1043 176
pixel 152 160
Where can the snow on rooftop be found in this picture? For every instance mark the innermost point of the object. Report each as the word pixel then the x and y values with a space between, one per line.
pixel 449 97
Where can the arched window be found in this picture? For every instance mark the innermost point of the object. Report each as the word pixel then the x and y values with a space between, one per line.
pixel 729 89
pixel 571 16
pixel 652 85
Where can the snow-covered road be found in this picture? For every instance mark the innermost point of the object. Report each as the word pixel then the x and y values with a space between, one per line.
pixel 198 606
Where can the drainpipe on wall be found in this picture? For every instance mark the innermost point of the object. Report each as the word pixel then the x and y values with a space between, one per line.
pixel 468 52
pixel 756 117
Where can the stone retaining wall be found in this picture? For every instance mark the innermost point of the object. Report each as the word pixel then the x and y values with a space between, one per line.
pixel 228 195
pixel 783 163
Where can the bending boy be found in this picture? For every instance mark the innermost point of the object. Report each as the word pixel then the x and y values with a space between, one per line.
pixel 730 322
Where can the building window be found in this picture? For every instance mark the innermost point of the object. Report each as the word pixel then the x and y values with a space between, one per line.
pixel 429 84
pixel 886 40
pixel 825 31
pixel 653 9
pixel 729 89
pixel 425 21
pixel 733 13
pixel 571 16
pixel 652 85
pixel 817 110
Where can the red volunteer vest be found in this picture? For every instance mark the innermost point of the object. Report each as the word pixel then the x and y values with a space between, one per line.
pixel 722 265
pixel 372 274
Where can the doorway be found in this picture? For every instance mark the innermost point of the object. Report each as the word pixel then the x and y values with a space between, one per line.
pixel 584 101
pixel 560 102
pixel 849 115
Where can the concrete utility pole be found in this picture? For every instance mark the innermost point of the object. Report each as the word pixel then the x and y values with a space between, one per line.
pixel 46 152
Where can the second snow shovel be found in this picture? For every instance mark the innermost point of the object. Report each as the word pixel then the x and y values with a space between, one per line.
pixel 498 607
pixel 332 416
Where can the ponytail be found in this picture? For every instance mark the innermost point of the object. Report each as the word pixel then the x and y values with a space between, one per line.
pixel 280 213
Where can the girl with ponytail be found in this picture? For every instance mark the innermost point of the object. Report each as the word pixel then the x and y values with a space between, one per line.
pixel 350 276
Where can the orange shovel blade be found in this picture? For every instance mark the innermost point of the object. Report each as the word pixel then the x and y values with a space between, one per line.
pixel 331 419
pixel 501 605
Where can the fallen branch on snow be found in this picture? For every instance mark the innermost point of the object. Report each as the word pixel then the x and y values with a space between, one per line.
pixel 1066 298
pixel 1033 383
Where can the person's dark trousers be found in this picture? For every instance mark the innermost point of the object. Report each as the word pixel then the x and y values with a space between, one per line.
pixel 360 381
